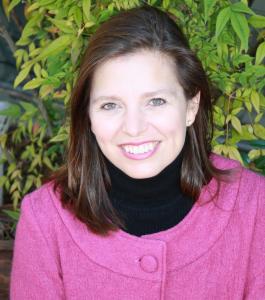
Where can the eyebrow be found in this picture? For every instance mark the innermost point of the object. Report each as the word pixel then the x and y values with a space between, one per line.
pixel 144 95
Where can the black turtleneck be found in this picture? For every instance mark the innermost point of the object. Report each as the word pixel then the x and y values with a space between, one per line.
pixel 149 205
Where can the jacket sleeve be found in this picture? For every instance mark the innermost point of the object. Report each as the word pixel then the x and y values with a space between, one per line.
pixel 35 272
pixel 255 288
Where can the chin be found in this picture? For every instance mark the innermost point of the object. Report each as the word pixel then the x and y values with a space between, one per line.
pixel 141 174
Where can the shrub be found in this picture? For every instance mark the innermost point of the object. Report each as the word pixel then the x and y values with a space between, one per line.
pixel 48 54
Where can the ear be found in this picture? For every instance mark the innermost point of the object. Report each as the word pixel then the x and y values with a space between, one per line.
pixel 192 109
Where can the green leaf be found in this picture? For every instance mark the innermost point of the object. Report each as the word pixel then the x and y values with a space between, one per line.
pixel 56 46
pixel 44 73
pixel 247 92
pixel 236 111
pixel 28 107
pixel 16 196
pixel 228 118
pixel 32 7
pixel 13 111
pixel 259 71
pixel 3 180
pixel 257 144
pixel 15 175
pixel 76 50
pixel 176 12
pixel 254 153
pixel 78 16
pixel 5 4
pixel 241 8
pixel 236 123
pixel 28 184
pixel 208 5
pixel 222 50
pixel 240 26
pixel 233 153
pixel 64 26
pixel 219 117
pixel 45 2
pixel 222 19
pixel 243 58
pixel 218 149
pixel 45 90
pixel 257 21
pixel 59 138
pixel 260 162
pixel 12 214
pixel 36 162
pixel 188 2
pixel 3 139
pixel 30 27
pixel 247 133
pixel 259 131
pixel 35 52
pixel 19 54
pixel 255 100
pixel 37 70
pixel 22 75
pixel 11 168
pixel 260 54
pixel 248 104
pixel 12 5
pixel 48 163
pixel 33 84
pixel 258 117
pixel 86 8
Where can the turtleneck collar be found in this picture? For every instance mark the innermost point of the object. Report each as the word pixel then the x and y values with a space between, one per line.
pixel 166 183
pixel 149 205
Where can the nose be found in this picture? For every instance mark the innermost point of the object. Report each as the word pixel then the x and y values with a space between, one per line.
pixel 134 122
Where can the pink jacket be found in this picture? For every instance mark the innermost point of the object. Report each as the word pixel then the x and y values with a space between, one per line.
pixel 216 252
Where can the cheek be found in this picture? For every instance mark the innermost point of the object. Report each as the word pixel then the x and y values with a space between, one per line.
pixel 103 129
pixel 172 124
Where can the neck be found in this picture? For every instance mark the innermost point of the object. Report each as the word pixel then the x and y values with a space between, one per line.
pixel 151 204
pixel 167 181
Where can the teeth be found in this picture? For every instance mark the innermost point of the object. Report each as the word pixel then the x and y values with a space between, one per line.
pixel 140 149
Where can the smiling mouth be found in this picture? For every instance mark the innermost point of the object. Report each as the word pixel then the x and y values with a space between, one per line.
pixel 140 149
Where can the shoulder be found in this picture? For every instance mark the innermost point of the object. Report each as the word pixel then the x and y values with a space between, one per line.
pixel 247 185
pixel 224 163
pixel 41 199
pixel 44 208
pixel 41 208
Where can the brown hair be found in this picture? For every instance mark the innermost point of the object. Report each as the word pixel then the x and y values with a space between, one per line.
pixel 83 181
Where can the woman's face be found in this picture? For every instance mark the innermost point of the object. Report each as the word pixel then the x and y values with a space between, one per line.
pixel 139 113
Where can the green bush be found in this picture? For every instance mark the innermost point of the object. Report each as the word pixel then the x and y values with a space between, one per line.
pixel 48 54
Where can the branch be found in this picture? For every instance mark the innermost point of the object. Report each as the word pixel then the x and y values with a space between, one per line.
pixel 5 34
pixel 15 93
pixel 15 19
pixel 38 102
pixel 20 95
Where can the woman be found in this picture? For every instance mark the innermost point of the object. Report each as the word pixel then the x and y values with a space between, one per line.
pixel 142 209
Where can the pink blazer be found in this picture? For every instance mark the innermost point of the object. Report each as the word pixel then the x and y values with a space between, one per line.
pixel 216 252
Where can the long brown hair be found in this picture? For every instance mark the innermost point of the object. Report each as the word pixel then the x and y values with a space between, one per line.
pixel 83 181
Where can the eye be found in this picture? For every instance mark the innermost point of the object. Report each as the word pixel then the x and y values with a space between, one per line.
pixel 109 106
pixel 157 101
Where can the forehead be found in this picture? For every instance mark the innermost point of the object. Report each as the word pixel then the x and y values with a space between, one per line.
pixel 137 72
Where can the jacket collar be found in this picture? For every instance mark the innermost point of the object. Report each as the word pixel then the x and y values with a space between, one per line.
pixel 176 247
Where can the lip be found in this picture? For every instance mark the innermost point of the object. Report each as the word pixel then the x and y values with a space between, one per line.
pixel 138 143
pixel 139 156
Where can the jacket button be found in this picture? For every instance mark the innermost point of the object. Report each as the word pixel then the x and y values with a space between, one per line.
pixel 149 263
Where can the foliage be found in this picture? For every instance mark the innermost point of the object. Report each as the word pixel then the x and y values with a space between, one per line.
pixel 48 54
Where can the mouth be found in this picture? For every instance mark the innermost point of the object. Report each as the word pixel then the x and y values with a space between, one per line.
pixel 140 148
